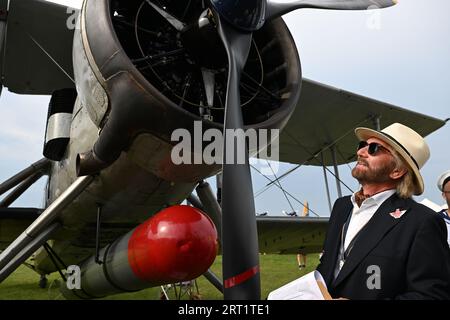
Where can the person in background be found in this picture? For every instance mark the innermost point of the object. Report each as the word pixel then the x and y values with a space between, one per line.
pixel 443 184
pixel 301 257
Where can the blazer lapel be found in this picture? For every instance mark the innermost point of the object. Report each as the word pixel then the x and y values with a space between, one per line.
pixel 372 233
pixel 332 249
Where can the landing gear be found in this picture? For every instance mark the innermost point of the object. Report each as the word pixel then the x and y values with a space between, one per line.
pixel 43 281
pixel 188 289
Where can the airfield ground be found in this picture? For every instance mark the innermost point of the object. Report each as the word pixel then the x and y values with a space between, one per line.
pixel 276 270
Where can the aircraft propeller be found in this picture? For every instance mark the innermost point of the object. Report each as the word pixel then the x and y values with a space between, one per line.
pixel 236 20
pixel 239 247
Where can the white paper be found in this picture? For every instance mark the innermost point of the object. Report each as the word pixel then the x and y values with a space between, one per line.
pixel 303 288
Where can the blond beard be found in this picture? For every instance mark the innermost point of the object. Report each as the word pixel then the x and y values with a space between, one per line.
pixel 378 174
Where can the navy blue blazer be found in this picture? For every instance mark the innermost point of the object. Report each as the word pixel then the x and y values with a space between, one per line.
pixel 411 253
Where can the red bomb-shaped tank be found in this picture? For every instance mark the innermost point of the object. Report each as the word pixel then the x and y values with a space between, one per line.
pixel 177 244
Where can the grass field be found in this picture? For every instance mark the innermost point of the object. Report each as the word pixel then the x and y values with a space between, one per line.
pixel 276 270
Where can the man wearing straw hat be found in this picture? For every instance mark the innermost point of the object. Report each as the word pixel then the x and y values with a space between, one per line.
pixel 380 243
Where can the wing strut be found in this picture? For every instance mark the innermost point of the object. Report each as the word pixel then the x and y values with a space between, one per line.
pixel 209 204
pixel 214 280
pixel 37 167
pixel 281 187
pixel 17 192
pixel 272 182
pixel 336 170
pixel 327 187
pixel 28 250
pixel 40 225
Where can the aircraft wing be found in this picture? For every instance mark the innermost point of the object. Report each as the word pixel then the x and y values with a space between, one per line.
pixel 291 234
pixel 327 116
pixel 37 47
pixel 13 221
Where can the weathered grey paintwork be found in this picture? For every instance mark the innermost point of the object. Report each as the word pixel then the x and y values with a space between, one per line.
pixel 143 179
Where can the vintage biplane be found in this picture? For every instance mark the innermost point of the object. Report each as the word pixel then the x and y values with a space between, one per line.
pixel 122 79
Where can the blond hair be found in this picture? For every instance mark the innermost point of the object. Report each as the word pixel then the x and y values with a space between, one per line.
pixel 407 185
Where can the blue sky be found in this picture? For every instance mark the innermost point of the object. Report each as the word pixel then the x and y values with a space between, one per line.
pixel 400 55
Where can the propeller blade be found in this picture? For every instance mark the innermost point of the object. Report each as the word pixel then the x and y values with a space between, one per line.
pixel 177 24
pixel 239 233
pixel 209 81
pixel 245 15
pixel 275 9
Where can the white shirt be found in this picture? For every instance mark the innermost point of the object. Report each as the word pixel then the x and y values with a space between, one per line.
pixel 362 215
pixel 447 222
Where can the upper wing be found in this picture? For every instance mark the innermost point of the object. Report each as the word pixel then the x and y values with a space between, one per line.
pixel 37 45
pixel 327 116
pixel 291 234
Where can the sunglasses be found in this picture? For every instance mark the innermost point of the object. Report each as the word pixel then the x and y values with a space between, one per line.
pixel 373 147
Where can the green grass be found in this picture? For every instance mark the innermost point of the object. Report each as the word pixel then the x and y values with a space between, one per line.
pixel 276 270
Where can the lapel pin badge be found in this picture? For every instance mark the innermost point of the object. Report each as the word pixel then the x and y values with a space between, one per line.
pixel 397 213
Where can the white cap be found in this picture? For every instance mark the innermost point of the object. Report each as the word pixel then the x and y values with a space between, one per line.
pixel 443 178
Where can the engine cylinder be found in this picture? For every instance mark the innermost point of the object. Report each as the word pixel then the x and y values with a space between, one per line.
pixel 59 119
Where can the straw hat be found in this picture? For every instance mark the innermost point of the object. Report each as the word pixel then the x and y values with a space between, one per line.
pixel 410 145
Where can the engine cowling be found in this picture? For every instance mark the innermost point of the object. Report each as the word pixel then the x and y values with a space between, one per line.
pixel 135 73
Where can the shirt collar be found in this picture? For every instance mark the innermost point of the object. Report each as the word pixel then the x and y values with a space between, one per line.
pixel 377 198
pixel 444 214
